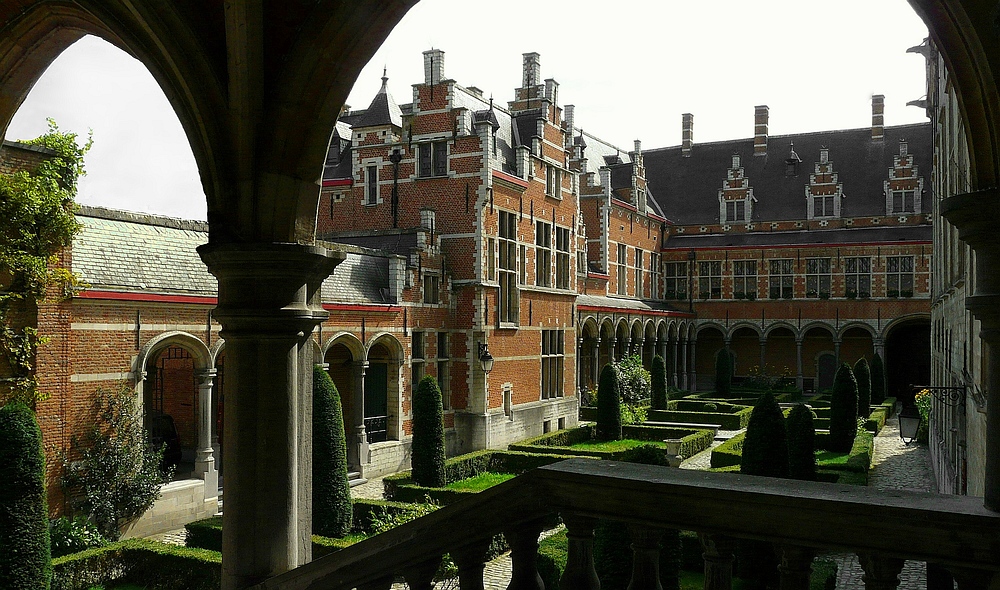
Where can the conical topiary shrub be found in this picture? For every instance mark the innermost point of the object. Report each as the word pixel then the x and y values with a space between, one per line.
pixel 24 520
pixel 878 380
pixel 332 509
pixel 801 443
pixel 659 378
pixel 765 446
pixel 428 435
pixel 609 413
pixel 843 410
pixel 723 373
pixel 863 375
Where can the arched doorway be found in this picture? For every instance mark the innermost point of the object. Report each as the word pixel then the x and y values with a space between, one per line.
pixel 710 340
pixel 344 367
pixel 907 357
pixel 819 356
pixel 745 345
pixel 381 387
pixel 782 356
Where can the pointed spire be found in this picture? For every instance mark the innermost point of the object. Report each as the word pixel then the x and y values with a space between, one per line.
pixel 383 110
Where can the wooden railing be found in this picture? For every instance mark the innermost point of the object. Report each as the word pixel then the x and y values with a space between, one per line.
pixel 800 518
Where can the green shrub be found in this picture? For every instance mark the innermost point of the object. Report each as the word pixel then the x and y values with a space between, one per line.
pixel 863 375
pixel 331 490
pixel 765 448
pixel 609 419
pixel 70 535
pixel 801 444
pixel 723 372
pixel 729 453
pixel 878 379
pixel 634 380
pixel 118 476
pixel 659 386
pixel 633 414
pixel 24 522
pixel 876 420
pixel 551 560
pixel 843 410
pixel 145 563
pixel 428 435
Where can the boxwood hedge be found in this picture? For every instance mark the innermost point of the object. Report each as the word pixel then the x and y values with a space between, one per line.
pixel 152 565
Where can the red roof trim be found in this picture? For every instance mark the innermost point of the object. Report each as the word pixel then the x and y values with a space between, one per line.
pixel 510 179
pixel 146 297
pixel 801 246
pixel 338 182
pixel 653 312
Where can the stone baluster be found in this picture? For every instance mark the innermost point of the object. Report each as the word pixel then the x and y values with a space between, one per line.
pixel 471 560
pixel 718 556
pixel 645 558
pixel 881 573
pixel 795 567
pixel 523 541
pixel 579 573
pixel 421 576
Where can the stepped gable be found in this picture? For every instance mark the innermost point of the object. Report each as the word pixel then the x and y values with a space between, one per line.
pixel 686 187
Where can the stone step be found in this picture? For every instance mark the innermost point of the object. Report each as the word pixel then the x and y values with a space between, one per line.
pixel 354 478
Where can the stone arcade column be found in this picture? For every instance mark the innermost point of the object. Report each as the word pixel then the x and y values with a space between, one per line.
pixel 595 370
pixel 763 352
pixel 684 364
pixel 675 379
pixel 692 372
pixel 836 352
pixel 799 381
pixel 204 460
pixel 358 405
pixel 269 303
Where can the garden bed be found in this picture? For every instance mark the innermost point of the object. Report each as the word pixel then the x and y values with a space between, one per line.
pixel 147 564
pixel 689 441
pixel 733 419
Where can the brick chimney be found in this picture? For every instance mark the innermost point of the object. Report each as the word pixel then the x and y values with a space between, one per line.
pixel 687 134
pixel 532 70
pixel 878 117
pixel 760 130
pixel 433 66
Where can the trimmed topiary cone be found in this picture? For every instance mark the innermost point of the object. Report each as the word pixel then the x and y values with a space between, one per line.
pixel 801 443
pixel 878 380
pixel 863 376
pixel 659 378
pixel 25 561
pixel 844 410
pixel 428 435
pixel 723 373
pixel 765 447
pixel 609 413
pixel 332 509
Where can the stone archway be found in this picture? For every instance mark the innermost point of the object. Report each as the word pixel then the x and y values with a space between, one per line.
pixel 907 357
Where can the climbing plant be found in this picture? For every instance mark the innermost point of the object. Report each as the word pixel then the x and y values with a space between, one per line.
pixel 38 209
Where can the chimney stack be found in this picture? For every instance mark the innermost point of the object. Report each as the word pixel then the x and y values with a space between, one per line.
pixel 760 130
pixel 569 114
pixel 532 70
pixel 433 66
pixel 638 148
pixel 552 91
pixel 878 119
pixel 687 134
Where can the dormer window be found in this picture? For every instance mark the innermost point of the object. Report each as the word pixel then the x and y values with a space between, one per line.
pixel 736 211
pixel 791 167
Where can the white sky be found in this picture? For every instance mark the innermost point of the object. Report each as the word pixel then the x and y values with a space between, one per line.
pixel 631 68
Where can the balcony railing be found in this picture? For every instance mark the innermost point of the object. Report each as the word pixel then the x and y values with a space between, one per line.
pixel 800 518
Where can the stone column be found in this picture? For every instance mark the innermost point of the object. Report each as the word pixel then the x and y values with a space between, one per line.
pixel 595 370
pixel 836 352
pixel 673 361
pixel 880 347
pixel 693 375
pixel 360 446
pixel 799 381
pixel 269 304
pixel 204 461
pixel 684 364
pixel 662 346
pixel 763 353
pixel 580 377
pixel 611 349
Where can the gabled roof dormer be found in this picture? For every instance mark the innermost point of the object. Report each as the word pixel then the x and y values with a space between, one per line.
pixel 736 195
pixel 824 192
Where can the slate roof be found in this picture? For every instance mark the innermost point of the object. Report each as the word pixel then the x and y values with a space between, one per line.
pixel 860 235
pixel 395 242
pixel 687 188
pixel 382 111
pixel 361 278
pixel 635 305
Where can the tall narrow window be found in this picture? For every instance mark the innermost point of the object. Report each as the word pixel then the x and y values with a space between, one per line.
pixel 432 159
pixel 552 363
pixel 654 275
pixel 745 279
pixel 899 276
pixel 523 269
pixel 736 211
pixel 553 181
pixel 440 158
pixel 491 259
pixel 818 277
pixel 622 258
pixel 431 288
pixel 710 279
pixel 372 185
pixel 823 206
pixel 508 267
pixel 639 292
pixel 417 358
pixel 903 202
pixel 675 280
pixel 857 277
pixel 443 375
pixel 782 279
pixel 543 254
pixel 562 258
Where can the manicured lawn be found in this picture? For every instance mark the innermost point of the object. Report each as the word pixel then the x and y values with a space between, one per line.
pixel 831 459
pixel 614 446
pixel 480 482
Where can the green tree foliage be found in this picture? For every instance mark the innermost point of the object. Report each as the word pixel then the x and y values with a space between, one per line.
pixel 332 510
pixel 801 443
pixel 118 476
pixel 844 410
pixel 24 522
pixel 765 447
pixel 723 373
pixel 428 435
pixel 633 380
pixel 659 378
pixel 609 419
pixel 38 208
pixel 878 379
pixel 863 375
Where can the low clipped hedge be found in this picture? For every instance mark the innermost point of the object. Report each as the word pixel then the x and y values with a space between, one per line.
pixel 152 565
pixel 692 440
pixel 876 420
pixel 728 421
pixel 729 453
pixel 691 405
pixel 559 438
pixel 400 487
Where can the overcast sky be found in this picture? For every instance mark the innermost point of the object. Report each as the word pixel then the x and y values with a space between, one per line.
pixel 631 68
